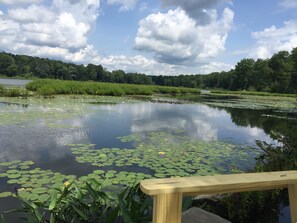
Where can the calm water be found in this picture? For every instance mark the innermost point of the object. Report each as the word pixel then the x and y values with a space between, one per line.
pixel 48 146
pixel 13 82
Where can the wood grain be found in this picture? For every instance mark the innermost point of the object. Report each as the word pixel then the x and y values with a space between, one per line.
pixel 168 192
pixel 220 184
pixel 167 208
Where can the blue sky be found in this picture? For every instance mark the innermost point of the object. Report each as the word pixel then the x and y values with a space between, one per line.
pixel 168 37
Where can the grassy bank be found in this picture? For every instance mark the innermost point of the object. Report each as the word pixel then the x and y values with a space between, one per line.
pixel 52 87
pixel 256 93
pixel 13 92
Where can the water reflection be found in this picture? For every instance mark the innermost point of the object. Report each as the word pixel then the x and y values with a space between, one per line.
pixel 197 121
pixel 36 141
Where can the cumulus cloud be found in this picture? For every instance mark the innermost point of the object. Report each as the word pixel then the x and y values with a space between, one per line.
pixel 18 2
pixel 175 38
pixel 136 63
pixel 59 31
pixel 273 39
pixel 125 5
pixel 196 9
pixel 215 67
pixel 33 13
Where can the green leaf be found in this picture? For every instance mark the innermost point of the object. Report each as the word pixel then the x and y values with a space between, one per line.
pixel 80 213
pixel 53 202
pixel 52 218
pixel 125 212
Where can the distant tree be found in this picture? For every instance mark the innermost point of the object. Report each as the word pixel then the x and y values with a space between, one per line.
pixel 262 74
pixel 243 74
pixel 293 81
pixel 7 65
pixel 281 67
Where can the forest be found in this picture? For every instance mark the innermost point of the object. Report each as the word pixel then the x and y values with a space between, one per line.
pixel 277 74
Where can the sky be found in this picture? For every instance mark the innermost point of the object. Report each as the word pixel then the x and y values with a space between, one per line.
pixel 155 37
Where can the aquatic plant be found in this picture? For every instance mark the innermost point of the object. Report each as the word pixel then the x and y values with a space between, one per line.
pixel 86 202
pixel 257 93
pixel 13 92
pixel 52 87
pixel 179 156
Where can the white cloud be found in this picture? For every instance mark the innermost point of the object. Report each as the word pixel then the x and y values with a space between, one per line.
pixel 1 13
pixel 175 38
pixel 125 5
pixel 273 39
pixel 196 9
pixel 215 67
pixel 288 4
pixel 18 2
pixel 59 31
pixel 136 63
pixel 33 13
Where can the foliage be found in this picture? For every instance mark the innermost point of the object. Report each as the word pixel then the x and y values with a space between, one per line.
pixel 87 203
pixel 13 92
pixel 276 157
pixel 27 66
pixel 262 206
pixel 133 206
pixel 50 87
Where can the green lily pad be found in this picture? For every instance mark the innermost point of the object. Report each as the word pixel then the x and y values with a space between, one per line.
pixel 5 194
pixel 13 176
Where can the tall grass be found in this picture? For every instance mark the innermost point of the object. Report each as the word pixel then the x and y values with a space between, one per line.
pixel 256 93
pixel 52 87
pixel 13 92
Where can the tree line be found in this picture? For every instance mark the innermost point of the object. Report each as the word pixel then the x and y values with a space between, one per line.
pixel 276 74
pixel 26 66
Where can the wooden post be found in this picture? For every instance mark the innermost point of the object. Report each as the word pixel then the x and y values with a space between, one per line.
pixel 292 189
pixel 167 208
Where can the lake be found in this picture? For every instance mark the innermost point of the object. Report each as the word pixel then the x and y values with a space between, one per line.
pixel 46 140
pixel 13 82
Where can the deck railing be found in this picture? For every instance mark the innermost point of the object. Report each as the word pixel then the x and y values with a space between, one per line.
pixel 167 193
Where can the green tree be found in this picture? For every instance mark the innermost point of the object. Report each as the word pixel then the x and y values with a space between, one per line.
pixel 262 74
pixel 7 65
pixel 281 67
pixel 293 80
pixel 243 74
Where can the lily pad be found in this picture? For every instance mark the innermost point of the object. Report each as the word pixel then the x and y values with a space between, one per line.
pixel 5 194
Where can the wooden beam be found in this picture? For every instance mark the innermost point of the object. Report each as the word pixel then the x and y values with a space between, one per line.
pixel 219 184
pixel 168 192
pixel 292 189
pixel 167 208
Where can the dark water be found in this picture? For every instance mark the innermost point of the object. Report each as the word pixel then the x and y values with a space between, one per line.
pixel 48 146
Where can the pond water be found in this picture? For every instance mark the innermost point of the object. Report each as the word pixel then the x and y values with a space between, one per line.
pixel 13 82
pixel 135 137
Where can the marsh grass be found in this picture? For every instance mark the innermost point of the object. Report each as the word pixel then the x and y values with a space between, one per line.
pixel 256 93
pixel 52 87
pixel 13 92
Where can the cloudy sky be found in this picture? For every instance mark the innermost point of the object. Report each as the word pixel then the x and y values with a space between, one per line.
pixel 155 37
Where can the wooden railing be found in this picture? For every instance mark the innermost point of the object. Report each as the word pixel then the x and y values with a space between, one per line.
pixel 167 193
